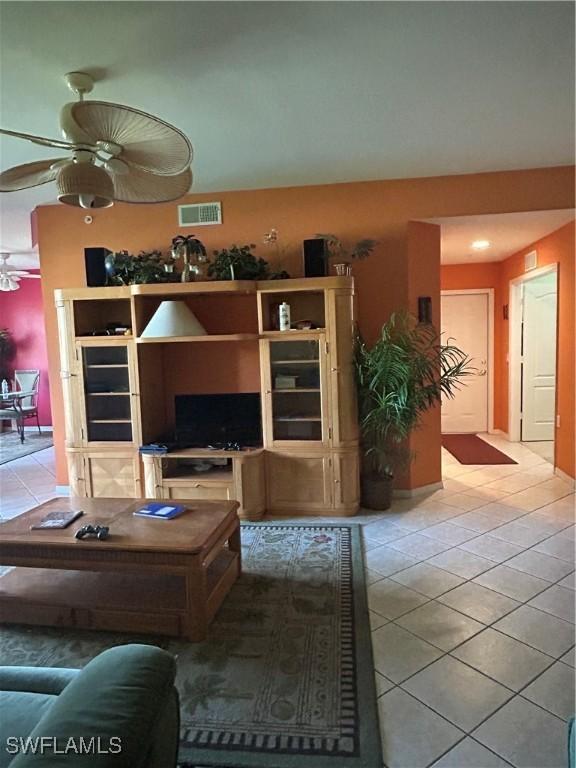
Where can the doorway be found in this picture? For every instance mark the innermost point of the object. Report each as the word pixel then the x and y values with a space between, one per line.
pixel 533 340
pixel 467 322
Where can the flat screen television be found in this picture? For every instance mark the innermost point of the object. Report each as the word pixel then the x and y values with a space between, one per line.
pixel 203 420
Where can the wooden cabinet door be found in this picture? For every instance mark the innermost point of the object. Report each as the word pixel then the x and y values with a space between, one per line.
pixel 108 402
pixel 346 482
pixel 77 474
pixel 109 475
pixel 69 374
pixel 299 482
pixel 295 397
pixel 343 408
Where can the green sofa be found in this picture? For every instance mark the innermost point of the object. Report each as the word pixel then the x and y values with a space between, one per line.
pixel 121 711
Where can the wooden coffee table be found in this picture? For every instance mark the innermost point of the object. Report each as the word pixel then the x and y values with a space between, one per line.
pixel 152 576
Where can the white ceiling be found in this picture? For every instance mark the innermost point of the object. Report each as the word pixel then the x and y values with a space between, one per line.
pixel 507 233
pixel 275 94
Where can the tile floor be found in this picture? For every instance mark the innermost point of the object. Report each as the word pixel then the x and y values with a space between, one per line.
pixel 471 594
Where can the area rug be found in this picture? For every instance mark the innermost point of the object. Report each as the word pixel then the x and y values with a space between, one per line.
pixel 471 449
pixel 11 448
pixel 285 678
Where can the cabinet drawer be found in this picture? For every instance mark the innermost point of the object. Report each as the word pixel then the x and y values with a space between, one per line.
pixel 214 491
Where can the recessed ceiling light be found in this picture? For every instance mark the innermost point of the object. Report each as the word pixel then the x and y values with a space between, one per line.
pixel 481 245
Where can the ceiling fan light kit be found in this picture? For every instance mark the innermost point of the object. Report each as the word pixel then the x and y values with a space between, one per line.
pixel 85 186
pixel 118 153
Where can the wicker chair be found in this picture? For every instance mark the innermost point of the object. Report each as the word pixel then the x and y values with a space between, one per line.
pixel 29 381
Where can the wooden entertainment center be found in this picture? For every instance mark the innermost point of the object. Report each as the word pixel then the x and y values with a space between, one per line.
pixel 119 393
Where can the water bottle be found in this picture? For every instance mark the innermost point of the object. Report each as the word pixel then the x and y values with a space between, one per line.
pixel 5 387
pixel 284 316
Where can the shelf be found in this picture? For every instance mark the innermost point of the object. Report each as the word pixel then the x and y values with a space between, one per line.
pixel 215 337
pixel 293 332
pixel 103 340
pixel 109 421
pixel 107 394
pixel 295 362
pixel 202 286
pixel 296 389
pixel 297 418
pixel 107 365
pixel 189 477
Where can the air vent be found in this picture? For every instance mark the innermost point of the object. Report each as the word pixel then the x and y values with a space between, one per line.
pixel 199 214
pixel 530 261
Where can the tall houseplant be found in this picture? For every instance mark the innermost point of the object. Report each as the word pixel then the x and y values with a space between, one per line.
pixel 399 378
pixel 7 353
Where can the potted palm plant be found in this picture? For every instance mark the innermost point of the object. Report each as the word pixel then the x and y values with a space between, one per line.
pixel 399 378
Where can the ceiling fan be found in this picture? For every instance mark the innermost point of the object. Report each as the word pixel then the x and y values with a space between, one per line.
pixel 116 153
pixel 10 278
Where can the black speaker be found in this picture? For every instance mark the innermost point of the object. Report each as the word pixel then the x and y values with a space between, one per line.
pixel 315 258
pixel 95 269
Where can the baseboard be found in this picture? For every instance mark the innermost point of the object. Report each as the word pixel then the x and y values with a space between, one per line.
pixel 500 432
pixel 409 493
pixel 63 490
pixel 564 476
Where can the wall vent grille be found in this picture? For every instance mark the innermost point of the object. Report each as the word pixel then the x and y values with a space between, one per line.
pixel 530 261
pixel 199 214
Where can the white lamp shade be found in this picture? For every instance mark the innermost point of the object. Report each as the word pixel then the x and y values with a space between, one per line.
pixel 173 318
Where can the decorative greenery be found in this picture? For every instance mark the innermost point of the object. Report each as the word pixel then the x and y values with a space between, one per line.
pixel 339 253
pixel 239 263
pixel 122 268
pixel 190 244
pixel 399 378
pixel 7 352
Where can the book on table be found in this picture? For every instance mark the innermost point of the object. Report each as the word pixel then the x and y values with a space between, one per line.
pixel 159 511
pixel 57 519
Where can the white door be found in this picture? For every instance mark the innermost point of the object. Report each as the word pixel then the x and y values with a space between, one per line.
pixel 465 325
pixel 539 357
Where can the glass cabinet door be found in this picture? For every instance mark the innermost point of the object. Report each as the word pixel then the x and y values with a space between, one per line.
pixel 106 376
pixel 296 390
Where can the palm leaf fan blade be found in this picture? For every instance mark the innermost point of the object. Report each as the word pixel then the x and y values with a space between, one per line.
pixel 147 142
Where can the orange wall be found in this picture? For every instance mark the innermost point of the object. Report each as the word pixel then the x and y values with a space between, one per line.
pixel 380 209
pixel 556 248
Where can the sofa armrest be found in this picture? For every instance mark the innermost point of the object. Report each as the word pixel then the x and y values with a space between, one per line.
pixel 117 699
pixel 36 679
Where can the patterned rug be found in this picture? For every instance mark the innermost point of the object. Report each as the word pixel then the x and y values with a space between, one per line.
pixel 285 678
pixel 11 448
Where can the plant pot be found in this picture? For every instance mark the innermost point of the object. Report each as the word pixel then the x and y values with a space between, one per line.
pixel 376 492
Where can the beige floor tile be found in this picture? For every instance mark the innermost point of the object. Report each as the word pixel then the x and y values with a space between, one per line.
pixel 502 658
pixel 459 693
pixel 557 546
pixel 469 754
pixel 419 547
pixel 386 561
pixel 440 625
pixel 541 745
pixel 462 563
pixel 476 521
pixel 542 631
pixel 399 654
pixel 464 501
pixel 540 565
pixel 521 535
pixel 512 583
pixel 376 621
pixel 448 533
pixel 382 684
pixel 427 579
pixel 554 691
pixel 556 601
pixel 412 735
pixel 568 581
pixel 569 657
pixel 479 603
pixel 491 548
pixel 390 599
